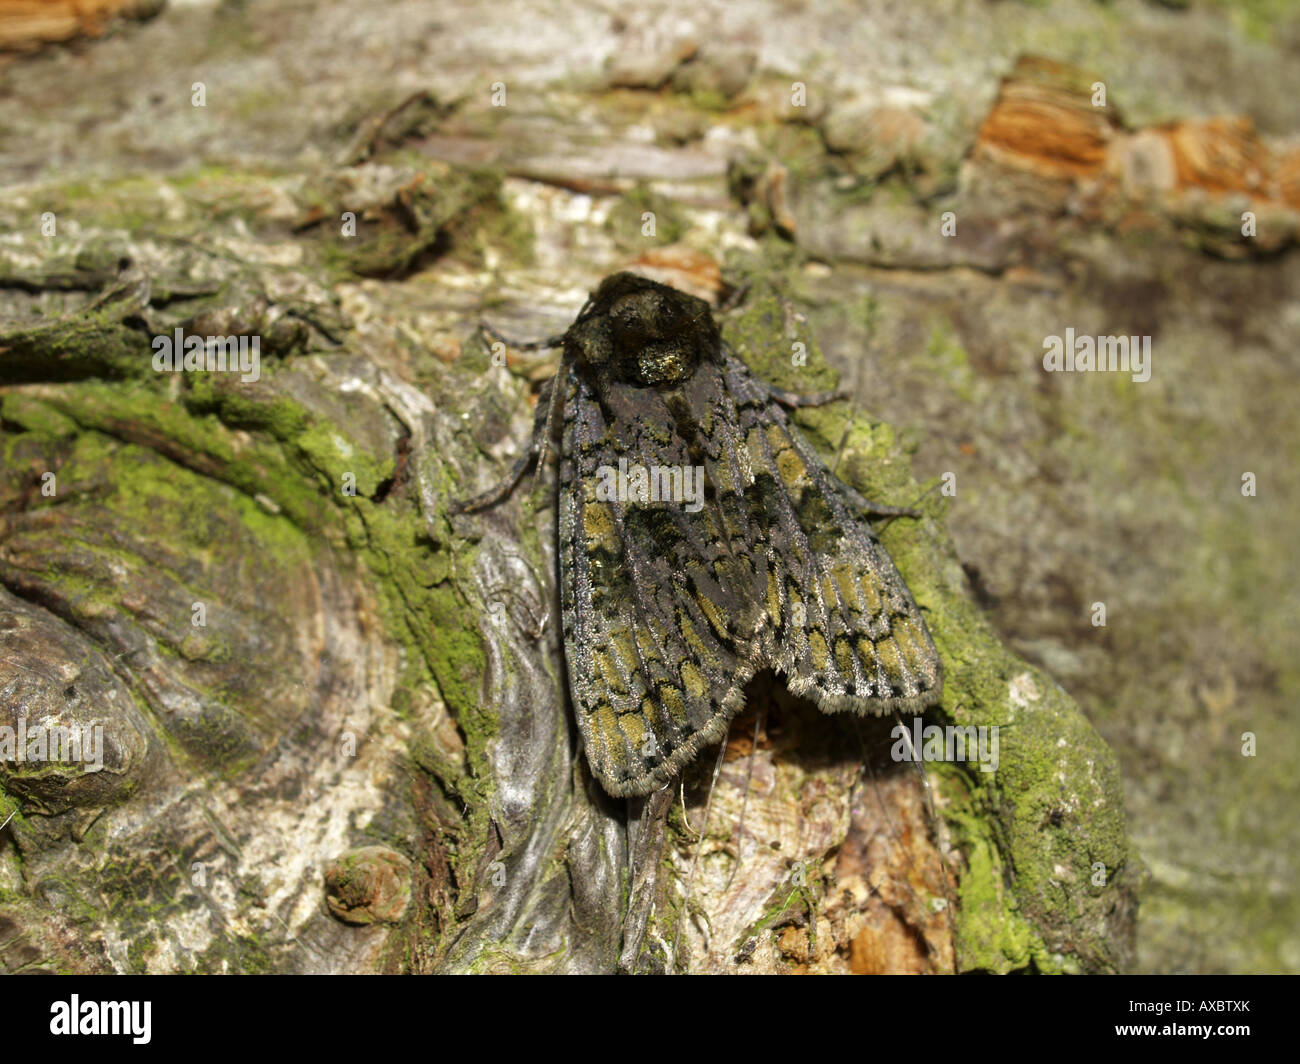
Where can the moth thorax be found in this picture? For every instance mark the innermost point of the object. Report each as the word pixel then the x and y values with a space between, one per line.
pixel 660 335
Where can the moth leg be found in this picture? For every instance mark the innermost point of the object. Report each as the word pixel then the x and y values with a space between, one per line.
pixel 734 298
pixel 793 400
pixel 522 345
pixel 879 509
pixel 543 422
pixel 750 388
pixel 495 494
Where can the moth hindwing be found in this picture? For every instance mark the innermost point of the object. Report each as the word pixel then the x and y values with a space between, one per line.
pixel 701 539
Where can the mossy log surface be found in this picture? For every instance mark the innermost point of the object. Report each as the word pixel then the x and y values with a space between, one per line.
pixel 335 730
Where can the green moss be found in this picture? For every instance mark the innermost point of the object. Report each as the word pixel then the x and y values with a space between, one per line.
pixel 950 361
pixel 72 898
pixel 992 936
pixel 231 954
pixel 205 443
pixel 91 342
pixel 627 221
pixel 1260 20
pixel 345 466
pixel 709 99
pixel 138 953
pixel 774 346
pixel 10 810
pixel 280 416
pixel 149 204
pixel 786 900
pixel 439 208
pixel 33 415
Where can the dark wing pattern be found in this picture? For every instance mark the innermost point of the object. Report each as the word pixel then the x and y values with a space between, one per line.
pixel 842 625
pixel 671 606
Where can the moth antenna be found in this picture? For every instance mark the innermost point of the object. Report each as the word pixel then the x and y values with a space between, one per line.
pixel 690 878
pixel 538 446
pixel 539 613
pixel 735 297
pixel 789 314
pixel 744 802
pixel 686 818
pixel 548 432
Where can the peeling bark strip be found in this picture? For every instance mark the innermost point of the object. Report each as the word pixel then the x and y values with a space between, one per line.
pixel 26 25
pixel 1044 119
pixel 1055 121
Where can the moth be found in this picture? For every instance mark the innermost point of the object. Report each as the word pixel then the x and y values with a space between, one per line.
pixel 702 539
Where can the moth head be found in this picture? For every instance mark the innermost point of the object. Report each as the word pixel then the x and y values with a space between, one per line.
pixel 643 333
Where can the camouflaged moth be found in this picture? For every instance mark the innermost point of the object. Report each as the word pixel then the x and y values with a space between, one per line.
pixel 675 592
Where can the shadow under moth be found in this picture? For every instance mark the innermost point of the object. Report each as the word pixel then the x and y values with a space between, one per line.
pixel 702 539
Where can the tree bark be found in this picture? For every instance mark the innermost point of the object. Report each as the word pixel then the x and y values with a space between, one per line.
pixel 335 726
